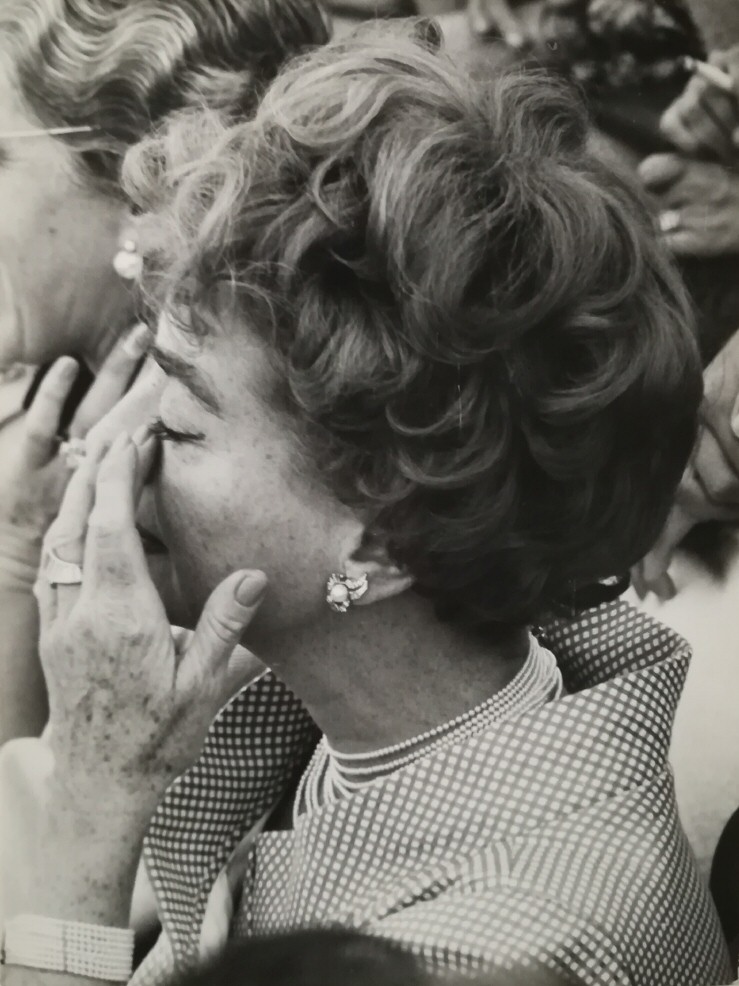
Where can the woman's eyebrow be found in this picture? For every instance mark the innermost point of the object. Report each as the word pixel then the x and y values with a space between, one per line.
pixel 188 375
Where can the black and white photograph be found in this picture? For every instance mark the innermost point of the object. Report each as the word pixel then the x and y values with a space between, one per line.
pixel 369 492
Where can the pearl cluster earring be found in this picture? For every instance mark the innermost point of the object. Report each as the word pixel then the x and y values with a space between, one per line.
pixel 342 591
pixel 128 262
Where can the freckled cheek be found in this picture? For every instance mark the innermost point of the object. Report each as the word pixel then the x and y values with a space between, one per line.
pixel 223 512
pixel 195 513
pixel 182 503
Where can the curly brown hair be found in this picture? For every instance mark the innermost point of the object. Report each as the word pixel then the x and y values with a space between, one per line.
pixel 474 328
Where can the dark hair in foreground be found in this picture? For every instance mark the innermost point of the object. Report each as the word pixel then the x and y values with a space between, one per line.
pixel 120 67
pixel 331 958
pixel 311 958
pixel 474 329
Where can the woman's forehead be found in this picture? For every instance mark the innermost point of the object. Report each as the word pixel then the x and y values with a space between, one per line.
pixel 233 362
pixel 173 333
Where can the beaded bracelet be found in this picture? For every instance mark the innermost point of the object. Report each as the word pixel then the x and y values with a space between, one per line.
pixel 91 950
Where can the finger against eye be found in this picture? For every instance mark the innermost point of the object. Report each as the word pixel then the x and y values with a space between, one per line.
pixel 113 500
pixel 114 557
pixel 147 447
pixel 113 379
pixel 66 536
pixel 44 414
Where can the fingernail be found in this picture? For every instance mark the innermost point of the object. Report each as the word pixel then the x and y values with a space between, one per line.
pixel 120 441
pixel 137 341
pixel 479 24
pixel 669 220
pixel 141 434
pixel 251 589
pixel 664 588
pixel 68 366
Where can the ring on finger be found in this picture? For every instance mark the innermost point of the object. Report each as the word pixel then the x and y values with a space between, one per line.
pixel 57 571
pixel 73 451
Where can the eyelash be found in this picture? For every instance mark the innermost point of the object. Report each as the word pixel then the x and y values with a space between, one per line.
pixel 167 434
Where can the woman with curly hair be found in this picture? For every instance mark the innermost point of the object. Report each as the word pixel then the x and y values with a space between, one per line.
pixel 81 81
pixel 425 382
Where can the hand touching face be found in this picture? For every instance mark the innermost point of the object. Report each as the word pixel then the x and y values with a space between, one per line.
pixel 130 702
pixel 697 203
pixel 231 487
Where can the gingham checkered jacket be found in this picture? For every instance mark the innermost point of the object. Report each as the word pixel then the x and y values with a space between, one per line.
pixel 550 839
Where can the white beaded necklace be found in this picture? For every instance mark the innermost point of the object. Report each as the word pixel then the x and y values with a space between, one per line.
pixel 331 775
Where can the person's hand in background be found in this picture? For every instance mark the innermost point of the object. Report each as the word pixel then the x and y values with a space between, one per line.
pixel 33 480
pixel 704 120
pixel 495 18
pixel 697 204
pixel 710 487
pixel 32 483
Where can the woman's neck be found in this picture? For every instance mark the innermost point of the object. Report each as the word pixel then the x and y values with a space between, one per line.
pixel 388 672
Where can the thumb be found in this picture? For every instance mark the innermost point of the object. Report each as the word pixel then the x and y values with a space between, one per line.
pixel 228 611
pixel 660 170
pixel 243 668
pixel 481 18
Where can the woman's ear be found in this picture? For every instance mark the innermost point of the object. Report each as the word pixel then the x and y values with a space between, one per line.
pixel 384 577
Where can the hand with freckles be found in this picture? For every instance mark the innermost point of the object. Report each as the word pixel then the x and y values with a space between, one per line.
pixel 130 699
pixel 32 483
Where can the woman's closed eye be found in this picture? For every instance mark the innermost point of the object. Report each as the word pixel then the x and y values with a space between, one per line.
pixel 167 434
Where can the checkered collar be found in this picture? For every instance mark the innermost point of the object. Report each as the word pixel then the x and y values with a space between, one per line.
pixel 624 672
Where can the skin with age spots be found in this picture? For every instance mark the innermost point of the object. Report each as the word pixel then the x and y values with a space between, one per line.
pixel 234 490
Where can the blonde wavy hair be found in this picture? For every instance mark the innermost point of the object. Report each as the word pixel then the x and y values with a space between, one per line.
pixel 120 67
